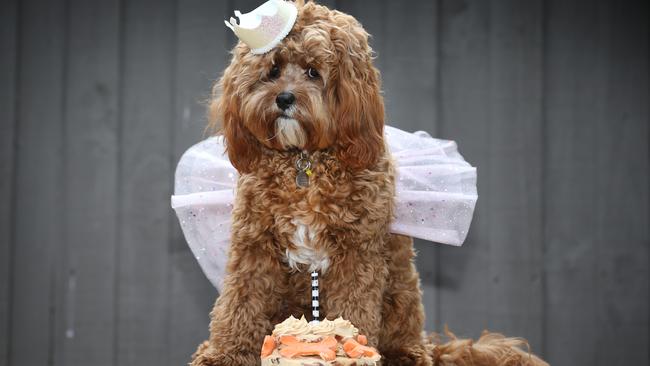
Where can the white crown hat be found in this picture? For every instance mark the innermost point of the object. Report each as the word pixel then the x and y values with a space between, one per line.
pixel 265 27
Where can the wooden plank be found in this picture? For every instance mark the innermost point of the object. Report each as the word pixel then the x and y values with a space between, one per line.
pixel 491 100
pixel 464 82
pixel 8 50
pixel 597 183
pixel 410 80
pixel 409 64
pixel 203 46
pixel 202 51
pixel 145 171
pixel 38 180
pixel 91 178
pixel 191 299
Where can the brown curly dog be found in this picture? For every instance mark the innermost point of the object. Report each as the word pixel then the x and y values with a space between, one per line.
pixel 316 96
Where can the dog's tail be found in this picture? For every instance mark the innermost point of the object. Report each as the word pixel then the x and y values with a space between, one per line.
pixel 491 349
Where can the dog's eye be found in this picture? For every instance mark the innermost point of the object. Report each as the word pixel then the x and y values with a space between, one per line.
pixel 275 72
pixel 312 73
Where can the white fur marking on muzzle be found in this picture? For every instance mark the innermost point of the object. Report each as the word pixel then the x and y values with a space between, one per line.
pixel 289 133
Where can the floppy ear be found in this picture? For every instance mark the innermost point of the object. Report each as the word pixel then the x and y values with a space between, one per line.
pixel 359 109
pixel 224 117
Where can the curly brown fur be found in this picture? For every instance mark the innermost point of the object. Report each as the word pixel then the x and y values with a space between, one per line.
pixel 491 349
pixel 337 117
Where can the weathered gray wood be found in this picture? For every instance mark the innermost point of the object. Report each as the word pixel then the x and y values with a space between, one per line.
pixel 491 100
pixel 100 272
pixel 147 112
pixel 409 73
pixel 464 78
pixel 8 49
pixel 597 183
pixel 191 299
pixel 409 64
pixel 92 181
pixel 332 4
pixel 202 51
pixel 38 180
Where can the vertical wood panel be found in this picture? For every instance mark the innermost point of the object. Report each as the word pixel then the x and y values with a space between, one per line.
pixel 491 100
pixel 91 178
pixel 464 78
pixel 38 172
pixel 201 53
pixel 332 4
pixel 409 69
pixel 8 50
pixel 515 183
pixel 597 179
pixel 144 187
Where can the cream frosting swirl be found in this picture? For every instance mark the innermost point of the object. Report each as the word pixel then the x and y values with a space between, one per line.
pixel 304 330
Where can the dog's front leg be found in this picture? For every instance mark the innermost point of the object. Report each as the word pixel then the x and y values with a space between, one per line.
pixel 352 288
pixel 401 341
pixel 252 294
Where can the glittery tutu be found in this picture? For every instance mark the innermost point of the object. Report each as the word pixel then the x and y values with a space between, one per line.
pixel 435 195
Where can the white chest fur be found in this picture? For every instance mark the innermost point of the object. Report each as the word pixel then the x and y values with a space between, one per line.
pixel 304 252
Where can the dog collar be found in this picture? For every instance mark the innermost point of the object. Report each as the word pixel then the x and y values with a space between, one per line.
pixel 304 172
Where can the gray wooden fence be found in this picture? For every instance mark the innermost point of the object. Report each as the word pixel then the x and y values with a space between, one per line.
pixel 549 98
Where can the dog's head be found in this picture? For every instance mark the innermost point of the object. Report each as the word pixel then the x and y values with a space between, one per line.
pixel 318 89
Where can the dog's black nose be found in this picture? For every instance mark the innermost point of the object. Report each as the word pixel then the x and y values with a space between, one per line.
pixel 284 100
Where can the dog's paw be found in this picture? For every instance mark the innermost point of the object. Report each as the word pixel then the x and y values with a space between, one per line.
pixel 224 359
pixel 413 356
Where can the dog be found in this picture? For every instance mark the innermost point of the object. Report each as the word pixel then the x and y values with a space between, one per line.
pixel 313 105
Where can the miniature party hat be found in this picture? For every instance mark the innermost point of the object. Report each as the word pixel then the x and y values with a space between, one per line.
pixel 265 27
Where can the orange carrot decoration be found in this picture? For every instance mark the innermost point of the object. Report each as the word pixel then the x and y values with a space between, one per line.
pixel 289 340
pixel 268 346
pixel 363 340
pixel 325 348
pixel 355 350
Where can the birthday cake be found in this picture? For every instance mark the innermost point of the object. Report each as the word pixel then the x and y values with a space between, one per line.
pixel 295 342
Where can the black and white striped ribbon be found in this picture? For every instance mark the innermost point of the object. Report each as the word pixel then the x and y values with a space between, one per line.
pixel 315 306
